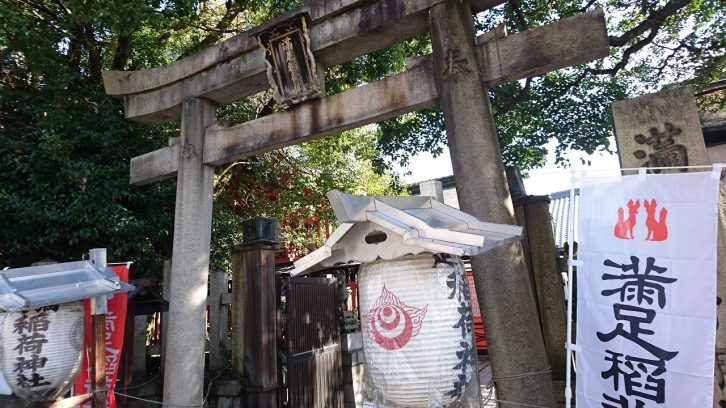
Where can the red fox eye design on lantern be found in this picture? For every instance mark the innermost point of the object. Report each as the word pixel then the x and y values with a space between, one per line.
pixel 391 323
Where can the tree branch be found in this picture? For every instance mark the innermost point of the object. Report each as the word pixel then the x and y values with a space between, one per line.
pixel 654 20
pixel 94 52
pixel 627 53
pixel 40 7
pixel 520 97
pixel 233 9
pixel 123 52
pixel 520 16
pixel 587 6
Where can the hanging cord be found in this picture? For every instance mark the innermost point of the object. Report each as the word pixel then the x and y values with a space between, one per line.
pixel 491 387
pixel 488 398
pixel 204 401
pixel 523 375
pixel 152 379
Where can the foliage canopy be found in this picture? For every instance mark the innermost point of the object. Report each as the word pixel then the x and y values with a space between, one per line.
pixel 64 181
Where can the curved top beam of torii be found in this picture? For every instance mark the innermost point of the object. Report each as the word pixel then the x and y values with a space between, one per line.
pixel 233 69
pixel 573 40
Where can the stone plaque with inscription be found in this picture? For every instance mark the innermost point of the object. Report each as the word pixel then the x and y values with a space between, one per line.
pixel 660 130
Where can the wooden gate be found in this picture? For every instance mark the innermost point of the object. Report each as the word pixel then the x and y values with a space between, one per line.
pixel 314 373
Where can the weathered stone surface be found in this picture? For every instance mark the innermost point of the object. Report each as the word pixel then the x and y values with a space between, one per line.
pixel 406 92
pixel 411 90
pixel 154 166
pixel 351 341
pixel 218 330
pixel 659 130
pixel 334 40
pixel 514 336
pixel 119 83
pixel 138 363
pixel 226 388
pixel 190 261
pixel 570 41
pixel 321 12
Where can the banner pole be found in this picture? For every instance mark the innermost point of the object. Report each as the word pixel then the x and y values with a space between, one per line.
pixel 570 255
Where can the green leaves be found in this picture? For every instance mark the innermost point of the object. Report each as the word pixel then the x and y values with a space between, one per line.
pixel 66 187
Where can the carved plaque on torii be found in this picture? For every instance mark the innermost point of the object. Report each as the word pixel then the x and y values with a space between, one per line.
pixel 290 63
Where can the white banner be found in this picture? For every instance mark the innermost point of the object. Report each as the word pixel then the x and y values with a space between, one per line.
pixel 646 291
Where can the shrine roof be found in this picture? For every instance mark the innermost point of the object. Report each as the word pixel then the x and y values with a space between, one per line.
pixel 389 227
pixel 38 286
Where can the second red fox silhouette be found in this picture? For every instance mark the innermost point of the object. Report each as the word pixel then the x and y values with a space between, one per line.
pixel 657 229
pixel 624 227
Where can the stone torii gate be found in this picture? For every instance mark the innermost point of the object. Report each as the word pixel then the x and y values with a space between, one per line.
pixel 457 77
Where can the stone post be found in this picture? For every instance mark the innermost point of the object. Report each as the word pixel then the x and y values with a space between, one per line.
pixel 184 371
pixel 502 282
pixel 254 313
pixel 542 254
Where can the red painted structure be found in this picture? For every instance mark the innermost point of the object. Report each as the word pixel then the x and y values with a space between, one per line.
pixel 479 337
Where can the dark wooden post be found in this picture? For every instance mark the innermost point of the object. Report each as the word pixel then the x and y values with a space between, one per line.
pixel 217 321
pixel 254 312
pixel 501 278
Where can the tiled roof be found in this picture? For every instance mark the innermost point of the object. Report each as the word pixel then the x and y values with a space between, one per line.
pixel 560 213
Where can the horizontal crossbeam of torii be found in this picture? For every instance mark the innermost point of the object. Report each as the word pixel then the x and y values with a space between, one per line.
pixel 233 69
pixel 192 88
pixel 571 41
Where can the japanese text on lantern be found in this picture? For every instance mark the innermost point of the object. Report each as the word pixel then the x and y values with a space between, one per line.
pixel 641 292
pixel 30 328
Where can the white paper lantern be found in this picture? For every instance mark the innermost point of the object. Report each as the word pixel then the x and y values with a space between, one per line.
pixel 41 350
pixel 416 324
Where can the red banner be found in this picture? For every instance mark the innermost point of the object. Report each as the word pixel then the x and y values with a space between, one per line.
pixel 115 325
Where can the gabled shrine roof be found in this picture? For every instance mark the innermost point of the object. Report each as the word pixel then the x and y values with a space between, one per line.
pixel 389 227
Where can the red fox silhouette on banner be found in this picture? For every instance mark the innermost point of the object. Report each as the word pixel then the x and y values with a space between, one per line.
pixel 657 228
pixel 624 227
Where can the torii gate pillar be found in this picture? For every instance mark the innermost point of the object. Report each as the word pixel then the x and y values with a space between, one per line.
pixel 514 336
pixel 184 370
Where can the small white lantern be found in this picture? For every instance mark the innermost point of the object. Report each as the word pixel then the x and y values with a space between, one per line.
pixel 42 350
pixel 415 312
pixel 42 325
